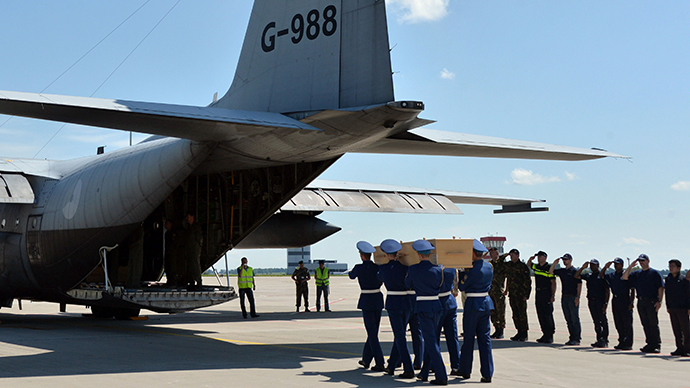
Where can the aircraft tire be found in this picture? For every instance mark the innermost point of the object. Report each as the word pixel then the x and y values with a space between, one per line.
pixel 102 312
pixel 123 314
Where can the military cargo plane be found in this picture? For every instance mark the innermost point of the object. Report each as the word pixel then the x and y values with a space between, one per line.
pixel 313 83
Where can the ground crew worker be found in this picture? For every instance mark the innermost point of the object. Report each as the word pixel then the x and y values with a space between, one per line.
pixel 193 241
pixel 678 306
pixel 570 297
pixel 545 295
pixel 497 292
pixel 301 278
pixel 398 306
pixel 650 294
pixel 246 285
pixel 476 315
pixel 597 300
pixel 518 289
pixel 622 305
pixel 426 278
pixel 371 304
pixel 322 278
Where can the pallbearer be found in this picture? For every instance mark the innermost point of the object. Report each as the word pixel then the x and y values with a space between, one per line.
pixel 476 315
pixel 371 304
pixel 425 278
pixel 399 307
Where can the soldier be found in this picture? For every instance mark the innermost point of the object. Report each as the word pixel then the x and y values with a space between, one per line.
pixel 650 294
pixel 301 278
pixel 545 295
pixel 497 292
pixel 322 278
pixel 371 304
pixel 476 314
pixel 570 297
pixel 622 305
pixel 448 321
pixel 398 306
pixel 597 300
pixel 518 289
pixel 426 278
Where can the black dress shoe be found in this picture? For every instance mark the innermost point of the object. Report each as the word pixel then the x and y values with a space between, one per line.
pixel 422 378
pixel 364 364
pixel 417 367
pixel 464 376
pixel 485 379
pixel 378 368
pixel 389 371
pixel 255 316
pixel 545 340
pixel 455 372
pixel 676 352
pixel 650 350
pixel 438 382
pixel 406 375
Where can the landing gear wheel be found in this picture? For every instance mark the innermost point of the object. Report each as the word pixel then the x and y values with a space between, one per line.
pixel 123 314
pixel 102 312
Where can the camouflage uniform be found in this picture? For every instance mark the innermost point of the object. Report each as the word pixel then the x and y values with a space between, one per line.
pixel 498 314
pixel 519 288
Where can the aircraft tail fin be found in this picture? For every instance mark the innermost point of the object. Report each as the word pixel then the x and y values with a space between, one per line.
pixel 312 55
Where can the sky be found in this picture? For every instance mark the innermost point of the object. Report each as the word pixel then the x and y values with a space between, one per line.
pixel 611 75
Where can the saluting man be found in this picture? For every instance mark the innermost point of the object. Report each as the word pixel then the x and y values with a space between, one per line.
pixel 425 278
pixel 476 315
pixel 371 304
pixel 399 307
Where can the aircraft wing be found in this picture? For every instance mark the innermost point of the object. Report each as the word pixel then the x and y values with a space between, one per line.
pixel 423 141
pixel 325 195
pixel 182 121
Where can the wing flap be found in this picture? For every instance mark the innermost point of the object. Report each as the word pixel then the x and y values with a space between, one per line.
pixel 182 121
pixel 423 141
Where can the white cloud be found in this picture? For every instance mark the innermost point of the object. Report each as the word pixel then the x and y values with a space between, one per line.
pixel 447 74
pixel 570 176
pixel 415 11
pixel 523 177
pixel 681 186
pixel 635 241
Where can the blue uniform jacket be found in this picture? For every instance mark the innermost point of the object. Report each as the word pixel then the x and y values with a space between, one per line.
pixel 478 279
pixel 448 302
pixel 393 276
pixel 425 279
pixel 367 276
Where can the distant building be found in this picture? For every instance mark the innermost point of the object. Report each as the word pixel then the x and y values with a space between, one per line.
pixel 494 241
pixel 294 255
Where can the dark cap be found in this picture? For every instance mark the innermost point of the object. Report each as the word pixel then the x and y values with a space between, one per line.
pixel 493 249
pixel 643 257
pixel 567 256
pixel 322 261
pixel 301 262
pixel 514 251
pixel 618 260
pixel 542 253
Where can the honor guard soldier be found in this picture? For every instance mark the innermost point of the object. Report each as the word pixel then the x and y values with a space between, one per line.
pixel 622 305
pixel 570 297
pixel 246 285
pixel 322 279
pixel 449 317
pixel 426 278
pixel 650 293
pixel 476 315
pixel 597 301
pixel 399 307
pixel 518 288
pixel 371 304
pixel 497 292
pixel 545 295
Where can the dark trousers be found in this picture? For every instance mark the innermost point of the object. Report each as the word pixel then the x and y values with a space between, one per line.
pixel 623 319
pixel 650 322
pixel 601 323
pixel 571 312
pixel 319 291
pixel 519 306
pixel 449 323
pixel 399 352
pixel 680 322
pixel 250 296
pixel 545 313
pixel 302 292
pixel 428 322
pixel 417 340
pixel 372 348
pixel 476 323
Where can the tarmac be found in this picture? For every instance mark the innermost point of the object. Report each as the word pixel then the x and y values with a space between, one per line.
pixel 215 346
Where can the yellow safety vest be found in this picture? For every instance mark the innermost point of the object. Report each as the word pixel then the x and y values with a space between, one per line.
pixel 321 277
pixel 245 278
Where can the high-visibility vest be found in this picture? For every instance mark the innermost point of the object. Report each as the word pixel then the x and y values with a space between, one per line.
pixel 245 277
pixel 321 277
